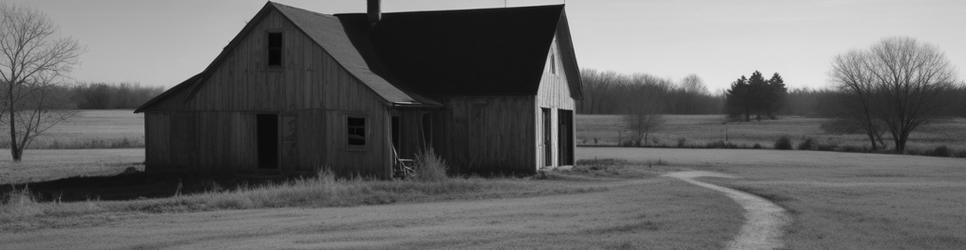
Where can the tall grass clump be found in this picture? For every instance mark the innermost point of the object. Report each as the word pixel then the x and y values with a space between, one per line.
pixel 20 203
pixel 430 167
pixel 783 143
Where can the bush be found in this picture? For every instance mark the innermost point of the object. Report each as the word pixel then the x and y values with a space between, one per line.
pixel 682 142
pixel 721 144
pixel 783 143
pixel 430 167
pixel 827 147
pixel 756 146
pixel 941 151
pixel 807 144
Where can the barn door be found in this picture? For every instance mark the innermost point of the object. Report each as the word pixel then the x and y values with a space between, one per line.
pixel 547 145
pixel 565 130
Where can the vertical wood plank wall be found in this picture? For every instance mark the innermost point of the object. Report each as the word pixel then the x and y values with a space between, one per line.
pixel 310 88
pixel 486 134
pixel 553 93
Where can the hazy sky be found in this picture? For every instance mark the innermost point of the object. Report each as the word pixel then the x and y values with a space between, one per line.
pixel 162 42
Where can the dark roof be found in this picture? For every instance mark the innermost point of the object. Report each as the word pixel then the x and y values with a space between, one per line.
pixel 459 52
pixel 437 53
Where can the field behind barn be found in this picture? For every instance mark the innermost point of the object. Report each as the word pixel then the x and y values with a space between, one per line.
pixel 701 130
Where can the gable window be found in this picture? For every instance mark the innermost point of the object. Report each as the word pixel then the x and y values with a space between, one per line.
pixel 356 131
pixel 275 49
pixel 553 64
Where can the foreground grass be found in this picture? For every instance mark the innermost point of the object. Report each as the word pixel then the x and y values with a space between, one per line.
pixel 20 210
pixel 839 200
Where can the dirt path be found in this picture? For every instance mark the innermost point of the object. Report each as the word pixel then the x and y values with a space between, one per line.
pixel 763 229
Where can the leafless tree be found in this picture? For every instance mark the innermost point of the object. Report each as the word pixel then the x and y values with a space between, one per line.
pixel 693 84
pixel 645 117
pixel 32 62
pixel 898 81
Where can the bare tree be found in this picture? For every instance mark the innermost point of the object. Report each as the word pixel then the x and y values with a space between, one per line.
pixel 693 84
pixel 898 81
pixel 645 117
pixel 32 62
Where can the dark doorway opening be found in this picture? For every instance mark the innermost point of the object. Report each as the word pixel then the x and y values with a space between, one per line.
pixel 395 133
pixel 565 129
pixel 267 127
pixel 547 136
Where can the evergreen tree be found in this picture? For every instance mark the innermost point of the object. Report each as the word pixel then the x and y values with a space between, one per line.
pixel 758 96
pixel 737 101
pixel 776 94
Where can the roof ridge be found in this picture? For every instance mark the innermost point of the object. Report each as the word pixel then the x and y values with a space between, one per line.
pixel 461 10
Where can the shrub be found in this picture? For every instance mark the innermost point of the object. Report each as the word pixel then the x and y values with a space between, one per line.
pixel 807 144
pixel 682 142
pixel 827 146
pixel 961 154
pixel 721 144
pixel 783 143
pixel 430 167
pixel 756 146
pixel 941 151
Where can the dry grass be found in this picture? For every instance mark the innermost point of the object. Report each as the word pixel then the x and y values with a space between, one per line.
pixel 839 200
pixel 21 210
pixel 702 130
pixel 92 129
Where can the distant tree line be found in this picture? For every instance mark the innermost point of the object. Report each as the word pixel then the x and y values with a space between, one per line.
pixel 110 95
pixel 608 92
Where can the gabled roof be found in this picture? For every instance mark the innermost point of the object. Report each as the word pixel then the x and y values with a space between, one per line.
pixel 324 30
pixel 437 53
pixel 463 52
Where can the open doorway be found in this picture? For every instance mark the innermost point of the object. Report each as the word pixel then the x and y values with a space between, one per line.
pixel 267 140
pixel 565 130
pixel 547 137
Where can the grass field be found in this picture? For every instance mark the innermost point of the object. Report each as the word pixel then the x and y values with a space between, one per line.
pixel 838 200
pixel 92 129
pixel 699 130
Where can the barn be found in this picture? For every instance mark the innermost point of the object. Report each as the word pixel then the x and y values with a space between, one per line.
pixel 490 90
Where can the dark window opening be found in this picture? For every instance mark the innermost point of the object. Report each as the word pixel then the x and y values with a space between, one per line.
pixel 395 133
pixel 356 131
pixel 267 126
pixel 275 49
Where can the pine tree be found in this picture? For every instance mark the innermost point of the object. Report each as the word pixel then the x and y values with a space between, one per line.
pixel 777 93
pixel 737 99
pixel 758 96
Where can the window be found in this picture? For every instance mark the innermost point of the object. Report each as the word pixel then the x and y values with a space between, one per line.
pixel 275 49
pixel 356 130
pixel 553 64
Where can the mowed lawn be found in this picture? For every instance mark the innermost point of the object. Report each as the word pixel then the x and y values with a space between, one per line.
pixel 699 130
pixel 838 200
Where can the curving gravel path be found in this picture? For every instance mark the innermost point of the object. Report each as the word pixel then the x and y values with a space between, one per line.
pixel 763 229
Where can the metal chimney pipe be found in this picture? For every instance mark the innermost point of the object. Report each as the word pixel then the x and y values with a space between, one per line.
pixel 375 11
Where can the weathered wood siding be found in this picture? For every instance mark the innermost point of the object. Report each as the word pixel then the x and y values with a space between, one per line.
pixel 311 93
pixel 486 134
pixel 554 94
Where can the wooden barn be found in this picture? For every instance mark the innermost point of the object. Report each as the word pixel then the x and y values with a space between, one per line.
pixel 491 90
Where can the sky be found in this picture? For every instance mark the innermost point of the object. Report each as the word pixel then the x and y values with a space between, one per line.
pixel 163 42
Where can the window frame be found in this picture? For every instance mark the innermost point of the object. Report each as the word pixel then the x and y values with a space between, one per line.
pixel 280 49
pixel 365 132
